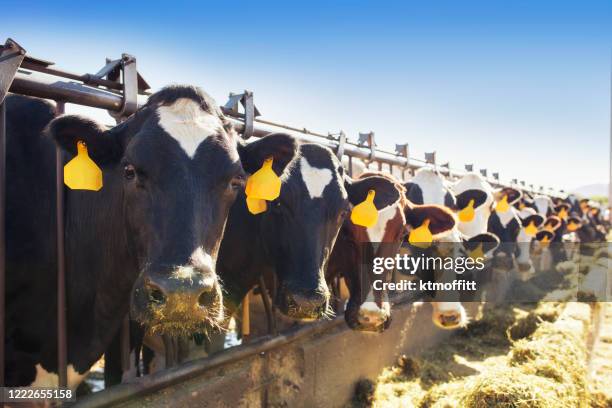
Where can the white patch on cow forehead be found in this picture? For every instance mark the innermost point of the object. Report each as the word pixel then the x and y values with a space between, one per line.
pixel 186 122
pixel 506 217
pixel 431 185
pixel 316 179
pixel 377 232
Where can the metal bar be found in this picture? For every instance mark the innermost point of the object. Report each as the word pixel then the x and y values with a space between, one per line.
pixel 34 84
pixel 265 298
pixel 2 237
pixel 246 318
pixel 41 86
pixel 88 79
pixel 124 341
pixel 150 383
pixel 62 346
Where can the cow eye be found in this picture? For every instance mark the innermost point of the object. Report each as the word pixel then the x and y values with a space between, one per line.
pixel 129 172
pixel 237 183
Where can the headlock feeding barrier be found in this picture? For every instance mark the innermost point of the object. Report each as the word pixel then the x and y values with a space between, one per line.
pixel 116 88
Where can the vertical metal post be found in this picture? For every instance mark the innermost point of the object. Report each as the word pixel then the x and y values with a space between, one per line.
pixel 62 347
pixel 610 159
pixel 2 237
pixel 11 56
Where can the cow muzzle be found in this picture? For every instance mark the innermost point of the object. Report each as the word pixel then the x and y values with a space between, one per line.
pixel 373 318
pixel 183 301
pixel 449 315
pixel 304 305
pixel 503 261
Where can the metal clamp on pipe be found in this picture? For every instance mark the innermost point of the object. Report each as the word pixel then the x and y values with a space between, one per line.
pixel 367 139
pixel 402 151
pixel 250 111
pixel 11 56
pixel 124 69
pixel 341 145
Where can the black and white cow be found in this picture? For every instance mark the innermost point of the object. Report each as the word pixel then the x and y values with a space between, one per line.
pixel 148 238
pixel 472 187
pixel 293 238
pixel 368 308
pixel 429 187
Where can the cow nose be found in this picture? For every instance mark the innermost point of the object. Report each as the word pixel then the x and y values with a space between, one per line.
pixel 371 317
pixel 304 305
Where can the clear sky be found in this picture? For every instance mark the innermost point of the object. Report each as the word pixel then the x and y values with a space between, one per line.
pixel 519 87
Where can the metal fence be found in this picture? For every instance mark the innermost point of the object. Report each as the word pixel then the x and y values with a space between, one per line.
pixel 116 88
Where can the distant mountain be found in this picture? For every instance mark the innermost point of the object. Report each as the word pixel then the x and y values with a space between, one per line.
pixel 599 189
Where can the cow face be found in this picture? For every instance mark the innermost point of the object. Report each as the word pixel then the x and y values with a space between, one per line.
pixel 474 200
pixel 530 223
pixel 368 308
pixel 173 169
pixel 506 225
pixel 428 187
pixel 299 227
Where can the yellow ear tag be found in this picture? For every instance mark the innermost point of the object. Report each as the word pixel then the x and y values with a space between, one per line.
pixel 572 226
pixel 421 237
pixel 264 183
pixel 562 214
pixel 549 228
pixel 531 229
pixel 365 213
pixel 477 252
pixel 81 173
pixel 545 241
pixel 467 214
pixel 502 205
pixel 522 205
pixel 256 205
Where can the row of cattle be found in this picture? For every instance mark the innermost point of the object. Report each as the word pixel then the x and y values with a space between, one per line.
pixel 170 238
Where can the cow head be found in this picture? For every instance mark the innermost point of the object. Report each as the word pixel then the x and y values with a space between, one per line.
pixel 474 200
pixel 298 229
pixel 368 307
pixel 506 225
pixel 173 169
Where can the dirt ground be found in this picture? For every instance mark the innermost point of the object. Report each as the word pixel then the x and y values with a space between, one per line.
pixel 510 350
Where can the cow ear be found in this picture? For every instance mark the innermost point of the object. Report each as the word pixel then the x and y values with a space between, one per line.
pixel 386 190
pixel 488 240
pixel 537 220
pixel 413 193
pixel 103 146
pixel 512 193
pixel 280 146
pixel 464 198
pixel 441 219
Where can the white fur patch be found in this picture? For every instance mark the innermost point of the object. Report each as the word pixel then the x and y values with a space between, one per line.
pixel 186 122
pixel 449 309
pixel 369 308
pixel 474 181
pixel 431 185
pixel 377 232
pixel 46 379
pixel 506 217
pixel 315 179
pixel 542 203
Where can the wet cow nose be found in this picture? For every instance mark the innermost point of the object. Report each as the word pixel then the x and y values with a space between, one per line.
pixel 301 305
pixel 449 319
pixel 371 316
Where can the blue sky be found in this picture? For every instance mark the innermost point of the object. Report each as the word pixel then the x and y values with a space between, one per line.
pixel 518 87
